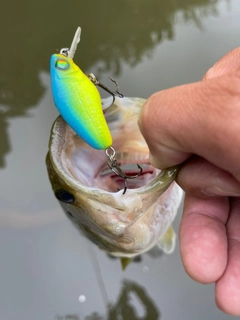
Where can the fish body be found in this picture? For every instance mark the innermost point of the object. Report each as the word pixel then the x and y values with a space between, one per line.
pixel 78 101
pixel 124 225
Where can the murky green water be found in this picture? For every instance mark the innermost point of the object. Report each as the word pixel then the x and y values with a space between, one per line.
pixel 48 271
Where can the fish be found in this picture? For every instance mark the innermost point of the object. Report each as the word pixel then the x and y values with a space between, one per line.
pixel 123 225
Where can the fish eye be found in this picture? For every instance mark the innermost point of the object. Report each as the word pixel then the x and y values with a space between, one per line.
pixel 64 196
pixel 62 64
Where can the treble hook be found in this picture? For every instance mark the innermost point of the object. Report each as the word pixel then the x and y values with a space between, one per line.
pixel 94 80
pixel 114 166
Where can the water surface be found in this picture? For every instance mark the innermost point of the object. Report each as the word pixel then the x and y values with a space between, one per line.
pixel 48 271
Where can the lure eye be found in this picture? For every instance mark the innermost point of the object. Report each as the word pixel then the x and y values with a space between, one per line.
pixel 62 65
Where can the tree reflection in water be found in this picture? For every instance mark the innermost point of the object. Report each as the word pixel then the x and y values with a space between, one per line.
pixel 114 32
pixel 125 308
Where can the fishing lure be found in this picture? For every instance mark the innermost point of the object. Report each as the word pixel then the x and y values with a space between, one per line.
pixel 78 101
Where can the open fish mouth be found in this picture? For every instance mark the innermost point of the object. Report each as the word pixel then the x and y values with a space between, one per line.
pixel 123 224
pixel 89 166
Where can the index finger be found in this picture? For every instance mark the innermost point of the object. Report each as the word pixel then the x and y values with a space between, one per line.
pixel 199 118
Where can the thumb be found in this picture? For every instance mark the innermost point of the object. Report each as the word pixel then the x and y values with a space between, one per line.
pixel 192 118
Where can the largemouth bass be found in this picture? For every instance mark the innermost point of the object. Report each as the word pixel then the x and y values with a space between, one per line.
pixel 124 225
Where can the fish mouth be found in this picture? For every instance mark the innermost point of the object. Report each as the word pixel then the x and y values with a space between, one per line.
pixel 88 168
pixel 91 168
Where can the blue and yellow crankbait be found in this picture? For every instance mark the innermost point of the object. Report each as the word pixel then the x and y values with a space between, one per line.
pixel 77 99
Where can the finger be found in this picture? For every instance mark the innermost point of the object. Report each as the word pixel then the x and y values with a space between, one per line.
pixel 202 179
pixel 200 118
pixel 228 287
pixel 203 241
pixel 203 122
pixel 192 119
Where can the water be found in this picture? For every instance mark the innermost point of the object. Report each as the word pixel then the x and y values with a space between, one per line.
pixel 48 271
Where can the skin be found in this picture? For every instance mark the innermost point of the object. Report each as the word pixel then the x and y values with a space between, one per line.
pixel 198 125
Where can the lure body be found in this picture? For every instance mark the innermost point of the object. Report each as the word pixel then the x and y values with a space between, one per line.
pixel 79 102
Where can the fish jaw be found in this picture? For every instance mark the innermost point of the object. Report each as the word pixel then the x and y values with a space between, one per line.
pixel 127 224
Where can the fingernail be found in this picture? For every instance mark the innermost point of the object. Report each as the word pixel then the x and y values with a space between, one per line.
pixel 216 191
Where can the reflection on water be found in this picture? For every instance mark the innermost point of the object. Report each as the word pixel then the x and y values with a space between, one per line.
pixel 4 139
pixel 125 31
pixel 125 307
pixel 133 303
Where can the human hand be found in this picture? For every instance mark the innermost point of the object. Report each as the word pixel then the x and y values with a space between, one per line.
pixel 198 125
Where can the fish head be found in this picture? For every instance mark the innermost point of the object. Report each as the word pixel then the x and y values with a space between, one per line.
pixel 91 194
